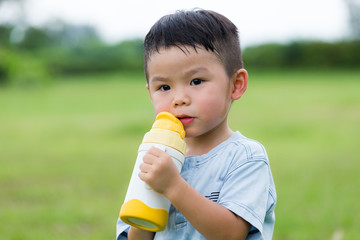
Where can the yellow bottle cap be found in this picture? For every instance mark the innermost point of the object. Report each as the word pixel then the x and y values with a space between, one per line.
pixel 166 120
pixel 167 130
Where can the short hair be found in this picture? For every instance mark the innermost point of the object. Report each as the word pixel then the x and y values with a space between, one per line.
pixel 196 28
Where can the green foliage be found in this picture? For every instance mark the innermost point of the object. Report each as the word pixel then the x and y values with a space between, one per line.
pixel 63 49
pixel 85 58
pixel 5 31
pixel 66 49
pixel 35 38
pixel 22 69
pixel 267 55
pixel 67 152
pixel 304 54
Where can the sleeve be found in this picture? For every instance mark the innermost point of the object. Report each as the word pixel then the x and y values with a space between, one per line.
pixel 245 191
pixel 121 230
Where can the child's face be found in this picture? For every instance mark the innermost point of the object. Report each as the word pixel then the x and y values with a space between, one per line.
pixel 193 86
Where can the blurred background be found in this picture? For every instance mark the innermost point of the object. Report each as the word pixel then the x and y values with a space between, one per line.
pixel 74 109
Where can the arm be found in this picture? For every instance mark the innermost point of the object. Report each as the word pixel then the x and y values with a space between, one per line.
pixel 136 233
pixel 212 220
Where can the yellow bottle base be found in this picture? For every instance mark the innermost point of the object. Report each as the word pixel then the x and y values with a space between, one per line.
pixel 137 214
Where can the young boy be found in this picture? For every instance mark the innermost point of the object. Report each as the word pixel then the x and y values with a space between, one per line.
pixel 225 190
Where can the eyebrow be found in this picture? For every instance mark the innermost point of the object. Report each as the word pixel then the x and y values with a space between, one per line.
pixel 196 70
pixel 158 79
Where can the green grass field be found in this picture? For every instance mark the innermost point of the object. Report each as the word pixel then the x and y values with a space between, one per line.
pixel 67 152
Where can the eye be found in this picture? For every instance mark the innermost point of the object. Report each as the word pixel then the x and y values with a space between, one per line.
pixel 164 88
pixel 196 81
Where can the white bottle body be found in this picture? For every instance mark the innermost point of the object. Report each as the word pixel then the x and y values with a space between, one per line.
pixel 138 189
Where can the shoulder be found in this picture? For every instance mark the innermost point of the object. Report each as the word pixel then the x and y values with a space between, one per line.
pixel 244 149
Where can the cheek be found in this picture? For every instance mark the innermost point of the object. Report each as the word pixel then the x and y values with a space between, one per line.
pixel 214 104
pixel 160 105
pixel 210 104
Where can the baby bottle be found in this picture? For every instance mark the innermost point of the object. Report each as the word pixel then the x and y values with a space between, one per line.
pixel 143 207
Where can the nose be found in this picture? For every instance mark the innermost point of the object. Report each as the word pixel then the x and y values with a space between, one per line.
pixel 181 98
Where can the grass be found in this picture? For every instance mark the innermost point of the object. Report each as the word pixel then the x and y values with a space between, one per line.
pixel 67 152
pixel 310 126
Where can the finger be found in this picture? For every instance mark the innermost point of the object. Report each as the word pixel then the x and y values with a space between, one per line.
pixel 144 167
pixel 149 158
pixel 145 176
pixel 155 151
pixel 142 176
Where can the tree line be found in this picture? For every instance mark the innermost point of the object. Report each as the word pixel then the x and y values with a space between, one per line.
pixel 35 54
pixel 304 54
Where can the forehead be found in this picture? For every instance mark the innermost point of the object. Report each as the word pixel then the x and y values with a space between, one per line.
pixel 180 63
pixel 183 53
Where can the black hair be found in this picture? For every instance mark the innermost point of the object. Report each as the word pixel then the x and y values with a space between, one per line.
pixel 196 28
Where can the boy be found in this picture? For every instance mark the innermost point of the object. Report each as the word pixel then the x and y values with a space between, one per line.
pixel 194 70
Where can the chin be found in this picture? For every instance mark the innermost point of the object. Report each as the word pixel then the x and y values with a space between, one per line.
pixel 188 134
pixel 191 134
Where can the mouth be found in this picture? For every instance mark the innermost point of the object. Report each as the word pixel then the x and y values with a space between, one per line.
pixel 185 120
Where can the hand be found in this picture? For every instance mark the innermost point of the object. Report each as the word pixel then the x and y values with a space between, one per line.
pixel 158 171
pixel 135 233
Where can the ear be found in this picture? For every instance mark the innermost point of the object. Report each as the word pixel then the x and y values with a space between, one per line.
pixel 239 83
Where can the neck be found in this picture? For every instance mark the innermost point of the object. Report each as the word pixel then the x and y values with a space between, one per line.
pixel 199 145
